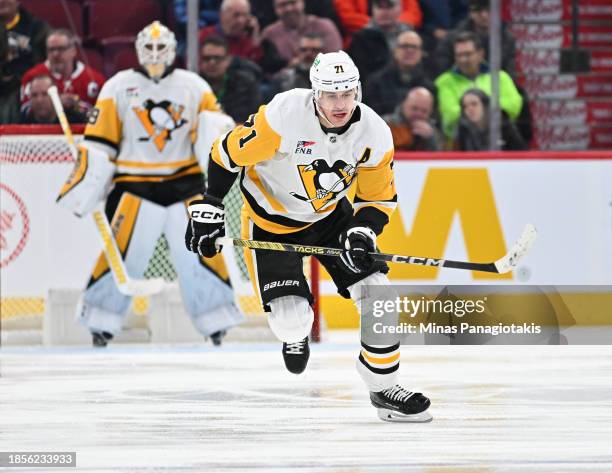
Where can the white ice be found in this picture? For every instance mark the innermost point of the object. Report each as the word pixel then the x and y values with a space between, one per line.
pixel 234 409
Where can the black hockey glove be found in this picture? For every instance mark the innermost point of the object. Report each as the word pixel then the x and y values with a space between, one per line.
pixel 356 243
pixel 206 224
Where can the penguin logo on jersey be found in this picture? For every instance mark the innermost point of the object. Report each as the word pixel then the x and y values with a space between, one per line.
pixel 323 182
pixel 160 120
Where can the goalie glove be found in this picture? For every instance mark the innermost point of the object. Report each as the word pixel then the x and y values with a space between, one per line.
pixel 206 224
pixel 357 242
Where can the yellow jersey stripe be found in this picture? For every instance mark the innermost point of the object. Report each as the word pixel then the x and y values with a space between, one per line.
pixel 167 165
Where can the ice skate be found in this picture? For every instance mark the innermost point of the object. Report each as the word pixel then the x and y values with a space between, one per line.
pixel 396 404
pixel 101 339
pixel 296 355
pixel 217 337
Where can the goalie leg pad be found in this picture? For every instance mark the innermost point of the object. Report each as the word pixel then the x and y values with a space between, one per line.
pixel 377 365
pixel 290 318
pixel 103 319
pixel 136 224
pixel 204 282
pixel 88 183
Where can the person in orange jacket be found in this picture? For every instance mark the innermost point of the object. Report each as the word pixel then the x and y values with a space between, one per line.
pixel 355 14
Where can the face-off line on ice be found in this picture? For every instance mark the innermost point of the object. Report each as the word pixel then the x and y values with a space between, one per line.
pixel 505 264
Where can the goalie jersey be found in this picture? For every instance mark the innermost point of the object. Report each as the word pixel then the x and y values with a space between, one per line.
pixel 148 129
pixel 293 173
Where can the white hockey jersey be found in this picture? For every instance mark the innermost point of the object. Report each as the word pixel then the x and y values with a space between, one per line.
pixel 293 173
pixel 147 128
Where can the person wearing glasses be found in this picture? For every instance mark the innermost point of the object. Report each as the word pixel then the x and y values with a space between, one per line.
pixel 234 80
pixel 78 83
pixel 388 88
pixel 471 71
pixel 297 75
pixel 293 23
pixel 478 24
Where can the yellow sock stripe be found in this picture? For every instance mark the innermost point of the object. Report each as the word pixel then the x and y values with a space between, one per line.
pixel 380 361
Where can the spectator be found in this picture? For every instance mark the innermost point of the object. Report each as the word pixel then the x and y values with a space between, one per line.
pixel 354 14
pixel 371 47
pixel 264 11
pixel 411 124
pixel 298 75
pixel 40 111
pixel 233 80
pixel 473 130
pixel 22 44
pixel 293 22
pixel 77 83
pixel 478 24
pixel 386 18
pixel 441 16
pixel 241 31
pixel 388 87
pixel 471 71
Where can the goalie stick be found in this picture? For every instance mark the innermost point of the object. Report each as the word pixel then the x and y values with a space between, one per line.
pixel 125 284
pixel 503 265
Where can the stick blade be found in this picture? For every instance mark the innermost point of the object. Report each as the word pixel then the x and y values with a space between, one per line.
pixel 508 262
pixel 142 287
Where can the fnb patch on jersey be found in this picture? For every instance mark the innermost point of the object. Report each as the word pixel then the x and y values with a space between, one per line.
pixel 303 147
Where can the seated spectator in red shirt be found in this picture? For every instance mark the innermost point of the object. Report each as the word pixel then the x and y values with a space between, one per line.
pixel 77 83
pixel 297 76
pixel 22 44
pixel 40 108
pixel 234 80
pixel 411 124
pixel 293 22
pixel 388 87
pixel 241 31
pixel 354 14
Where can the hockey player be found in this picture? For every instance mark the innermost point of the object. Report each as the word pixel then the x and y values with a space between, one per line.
pixel 297 158
pixel 140 138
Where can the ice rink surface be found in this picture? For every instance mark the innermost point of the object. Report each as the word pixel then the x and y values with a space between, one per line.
pixel 143 408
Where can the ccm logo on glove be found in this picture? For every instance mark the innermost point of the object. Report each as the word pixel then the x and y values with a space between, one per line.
pixel 206 213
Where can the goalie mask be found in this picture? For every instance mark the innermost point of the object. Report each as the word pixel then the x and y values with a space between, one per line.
pixel 333 76
pixel 156 49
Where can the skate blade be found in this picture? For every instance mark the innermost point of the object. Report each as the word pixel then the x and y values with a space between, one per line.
pixel 393 416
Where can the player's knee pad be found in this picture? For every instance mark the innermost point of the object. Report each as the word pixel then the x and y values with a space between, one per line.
pixel 88 183
pixel 290 318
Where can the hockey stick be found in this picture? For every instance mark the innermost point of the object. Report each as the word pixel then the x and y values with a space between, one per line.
pixel 503 265
pixel 126 285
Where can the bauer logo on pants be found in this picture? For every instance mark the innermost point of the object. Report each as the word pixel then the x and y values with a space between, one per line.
pixel 206 213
